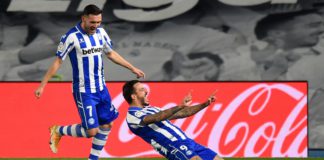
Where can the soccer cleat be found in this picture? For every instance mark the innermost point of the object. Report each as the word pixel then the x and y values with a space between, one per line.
pixel 54 139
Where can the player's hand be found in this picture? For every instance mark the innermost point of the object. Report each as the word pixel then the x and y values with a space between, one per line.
pixel 187 100
pixel 211 98
pixel 39 92
pixel 139 73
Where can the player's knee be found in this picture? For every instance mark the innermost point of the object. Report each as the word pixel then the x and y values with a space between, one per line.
pixel 196 158
pixel 218 158
pixel 107 126
pixel 92 132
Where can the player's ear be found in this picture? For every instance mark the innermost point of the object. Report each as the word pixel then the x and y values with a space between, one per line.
pixel 83 18
pixel 133 96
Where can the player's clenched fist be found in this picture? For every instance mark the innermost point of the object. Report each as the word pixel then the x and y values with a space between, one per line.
pixel 39 92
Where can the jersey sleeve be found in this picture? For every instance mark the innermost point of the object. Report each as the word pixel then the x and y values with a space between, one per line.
pixel 108 45
pixel 135 117
pixel 65 46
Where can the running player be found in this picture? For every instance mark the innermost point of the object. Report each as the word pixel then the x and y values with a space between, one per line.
pixel 154 127
pixel 85 43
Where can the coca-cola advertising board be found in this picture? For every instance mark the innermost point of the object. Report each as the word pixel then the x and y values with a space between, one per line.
pixel 248 119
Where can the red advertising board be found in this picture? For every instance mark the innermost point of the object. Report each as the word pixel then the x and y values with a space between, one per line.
pixel 248 119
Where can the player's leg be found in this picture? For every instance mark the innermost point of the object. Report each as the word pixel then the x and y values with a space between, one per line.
pixel 218 158
pixel 106 115
pixel 86 104
pixel 86 107
pixel 88 127
pixel 74 130
pixel 195 158
pixel 203 152
pixel 99 141
pixel 191 150
pixel 199 158
pixel 183 150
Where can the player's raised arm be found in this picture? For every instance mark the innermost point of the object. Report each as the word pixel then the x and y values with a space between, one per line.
pixel 166 114
pixel 50 72
pixel 116 58
pixel 191 110
pixel 161 116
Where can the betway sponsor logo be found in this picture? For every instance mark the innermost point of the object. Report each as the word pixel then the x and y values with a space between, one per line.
pixel 91 51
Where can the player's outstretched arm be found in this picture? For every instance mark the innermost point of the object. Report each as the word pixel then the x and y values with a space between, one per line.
pixel 116 58
pixel 161 116
pixel 191 110
pixel 50 72
pixel 166 114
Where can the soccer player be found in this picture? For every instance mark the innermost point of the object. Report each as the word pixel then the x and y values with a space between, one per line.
pixel 154 127
pixel 85 43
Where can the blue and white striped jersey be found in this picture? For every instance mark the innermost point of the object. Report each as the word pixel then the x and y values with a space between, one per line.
pixel 159 134
pixel 85 52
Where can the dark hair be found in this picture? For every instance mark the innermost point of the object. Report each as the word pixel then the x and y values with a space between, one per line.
pixel 91 9
pixel 128 90
pixel 272 21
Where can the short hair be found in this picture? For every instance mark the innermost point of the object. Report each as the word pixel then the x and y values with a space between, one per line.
pixel 91 9
pixel 272 21
pixel 128 90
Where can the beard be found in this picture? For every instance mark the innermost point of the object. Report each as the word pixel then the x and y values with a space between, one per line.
pixel 90 30
pixel 145 103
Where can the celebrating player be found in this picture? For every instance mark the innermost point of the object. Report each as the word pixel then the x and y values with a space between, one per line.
pixel 154 127
pixel 85 43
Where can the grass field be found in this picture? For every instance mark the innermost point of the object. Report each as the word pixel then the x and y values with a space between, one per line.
pixel 159 158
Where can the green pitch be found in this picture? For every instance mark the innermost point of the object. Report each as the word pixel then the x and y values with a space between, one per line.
pixel 159 158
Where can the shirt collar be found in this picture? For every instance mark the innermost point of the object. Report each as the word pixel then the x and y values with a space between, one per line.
pixel 80 28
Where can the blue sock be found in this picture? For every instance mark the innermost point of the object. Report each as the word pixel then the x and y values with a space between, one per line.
pixel 74 130
pixel 98 142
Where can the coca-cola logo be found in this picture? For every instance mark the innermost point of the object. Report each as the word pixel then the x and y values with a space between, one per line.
pixel 273 131
pixel 247 120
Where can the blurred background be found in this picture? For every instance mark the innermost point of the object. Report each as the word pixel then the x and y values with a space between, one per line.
pixel 179 40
